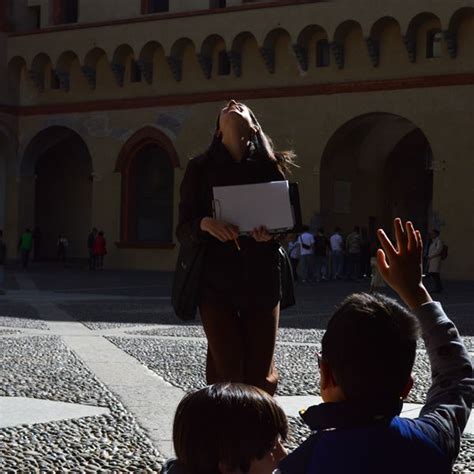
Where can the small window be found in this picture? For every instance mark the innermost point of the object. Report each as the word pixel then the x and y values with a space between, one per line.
pixel 323 56
pixel 218 4
pixel 157 6
pixel 55 83
pixel 223 64
pixel 135 72
pixel 36 16
pixel 66 11
pixel 433 44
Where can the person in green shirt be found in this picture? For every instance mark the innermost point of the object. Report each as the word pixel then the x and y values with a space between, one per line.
pixel 25 245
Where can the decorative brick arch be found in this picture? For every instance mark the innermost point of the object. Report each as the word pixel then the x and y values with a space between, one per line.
pixel 137 142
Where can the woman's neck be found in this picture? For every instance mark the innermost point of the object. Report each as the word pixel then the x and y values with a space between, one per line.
pixel 236 145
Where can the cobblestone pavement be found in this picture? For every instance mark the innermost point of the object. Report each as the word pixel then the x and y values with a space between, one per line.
pixel 132 310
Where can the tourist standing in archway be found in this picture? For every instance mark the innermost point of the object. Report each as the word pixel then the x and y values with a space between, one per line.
pixel 24 246
pixel 100 250
pixel 240 285
pixel 435 253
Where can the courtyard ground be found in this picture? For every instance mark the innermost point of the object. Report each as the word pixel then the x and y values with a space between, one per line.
pixel 93 365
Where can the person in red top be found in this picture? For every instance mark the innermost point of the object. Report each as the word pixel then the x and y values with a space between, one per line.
pixel 100 250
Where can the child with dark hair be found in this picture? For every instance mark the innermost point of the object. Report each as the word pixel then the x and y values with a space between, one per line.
pixel 368 352
pixel 228 428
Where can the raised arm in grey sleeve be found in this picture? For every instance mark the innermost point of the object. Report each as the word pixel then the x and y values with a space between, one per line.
pixel 450 397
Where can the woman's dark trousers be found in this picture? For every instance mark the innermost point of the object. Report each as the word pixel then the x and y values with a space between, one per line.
pixel 241 345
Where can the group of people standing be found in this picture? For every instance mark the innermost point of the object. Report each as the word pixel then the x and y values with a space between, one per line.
pixel 316 257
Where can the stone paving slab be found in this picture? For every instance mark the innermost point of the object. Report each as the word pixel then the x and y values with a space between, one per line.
pixel 16 411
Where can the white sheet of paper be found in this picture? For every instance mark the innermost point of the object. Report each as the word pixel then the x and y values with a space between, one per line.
pixel 249 206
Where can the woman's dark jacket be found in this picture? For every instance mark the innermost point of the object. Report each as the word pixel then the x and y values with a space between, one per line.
pixel 247 279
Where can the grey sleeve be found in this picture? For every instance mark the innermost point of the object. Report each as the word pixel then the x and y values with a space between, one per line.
pixel 450 397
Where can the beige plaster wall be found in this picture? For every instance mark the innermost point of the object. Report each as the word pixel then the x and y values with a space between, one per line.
pixel 305 124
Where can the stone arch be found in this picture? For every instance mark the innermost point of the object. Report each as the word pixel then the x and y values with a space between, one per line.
pixel 121 62
pixel 360 171
pixel 40 65
pixel 306 47
pixel 63 68
pixel 238 44
pixel 89 65
pixel 208 55
pixel 414 41
pixel 341 48
pixel 55 175
pixel 458 39
pixel 268 50
pixel 146 59
pixel 459 16
pixel 16 69
pixel 138 224
pixel 176 60
pixel 375 40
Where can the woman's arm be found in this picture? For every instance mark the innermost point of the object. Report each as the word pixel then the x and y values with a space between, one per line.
pixel 189 230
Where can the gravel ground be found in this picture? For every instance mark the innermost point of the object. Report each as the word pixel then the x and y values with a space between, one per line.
pixel 182 363
pixel 19 315
pixel 307 336
pixel 98 315
pixel 43 367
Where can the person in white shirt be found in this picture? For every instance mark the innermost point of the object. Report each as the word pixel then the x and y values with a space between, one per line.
pixel 306 243
pixel 294 251
pixel 337 254
pixel 434 260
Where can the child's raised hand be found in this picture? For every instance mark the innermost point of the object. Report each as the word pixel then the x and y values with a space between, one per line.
pixel 401 267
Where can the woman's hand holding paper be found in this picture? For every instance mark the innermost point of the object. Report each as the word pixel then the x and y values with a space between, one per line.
pixel 261 234
pixel 221 230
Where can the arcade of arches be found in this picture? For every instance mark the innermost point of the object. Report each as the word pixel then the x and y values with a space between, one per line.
pixel 56 178
pixel 376 167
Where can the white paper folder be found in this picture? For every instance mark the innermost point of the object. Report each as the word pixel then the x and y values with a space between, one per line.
pixel 249 206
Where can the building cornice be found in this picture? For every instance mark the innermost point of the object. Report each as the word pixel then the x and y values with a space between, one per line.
pixel 353 87
pixel 165 16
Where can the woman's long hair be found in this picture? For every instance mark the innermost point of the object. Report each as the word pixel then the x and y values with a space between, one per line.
pixel 262 146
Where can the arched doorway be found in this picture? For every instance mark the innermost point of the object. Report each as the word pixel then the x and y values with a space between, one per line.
pixel 374 168
pixel 60 165
pixel 147 163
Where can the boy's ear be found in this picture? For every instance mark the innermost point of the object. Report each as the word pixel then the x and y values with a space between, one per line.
pixel 327 378
pixel 407 388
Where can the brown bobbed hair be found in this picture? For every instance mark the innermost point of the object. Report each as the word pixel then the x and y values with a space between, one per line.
pixel 370 346
pixel 263 146
pixel 226 423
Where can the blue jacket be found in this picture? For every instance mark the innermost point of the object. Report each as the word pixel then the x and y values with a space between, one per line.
pixel 351 437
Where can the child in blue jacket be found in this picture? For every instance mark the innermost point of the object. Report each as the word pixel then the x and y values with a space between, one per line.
pixel 366 361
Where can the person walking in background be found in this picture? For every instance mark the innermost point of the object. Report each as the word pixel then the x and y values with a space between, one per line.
pixel 365 255
pixel 100 250
pixel 62 245
pixel 24 246
pixel 306 243
pixel 435 252
pixel 337 254
pixel 294 251
pixel 353 248
pixel 90 246
pixel 3 260
pixel 321 250
pixel 37 241
pixel 376 280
